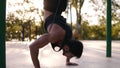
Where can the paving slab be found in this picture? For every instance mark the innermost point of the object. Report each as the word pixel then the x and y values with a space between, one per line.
pixel 94 56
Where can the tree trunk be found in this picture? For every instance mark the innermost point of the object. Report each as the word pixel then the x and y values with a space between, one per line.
pixel 23 37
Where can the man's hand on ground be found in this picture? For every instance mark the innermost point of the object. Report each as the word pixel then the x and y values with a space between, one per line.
pixel 71 64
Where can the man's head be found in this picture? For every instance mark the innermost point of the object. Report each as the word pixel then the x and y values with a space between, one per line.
pixel 55 5
pixel 73 48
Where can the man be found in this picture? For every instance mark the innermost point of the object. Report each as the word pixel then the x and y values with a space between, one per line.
pixel 58 33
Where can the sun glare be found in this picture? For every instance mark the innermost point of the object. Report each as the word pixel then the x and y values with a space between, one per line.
pixel 38 4
pixel 16 5
pixel 11 4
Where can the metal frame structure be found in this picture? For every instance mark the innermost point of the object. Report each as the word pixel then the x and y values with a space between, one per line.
pixel 3 31
pixel 109 39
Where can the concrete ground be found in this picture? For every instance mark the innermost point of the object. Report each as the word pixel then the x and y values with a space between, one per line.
pixel 94 56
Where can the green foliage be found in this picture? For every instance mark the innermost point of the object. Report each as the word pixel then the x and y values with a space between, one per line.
pixel 94 32
pixel 20 24
pixel 116 31
pixel 15 26
pixel 98 32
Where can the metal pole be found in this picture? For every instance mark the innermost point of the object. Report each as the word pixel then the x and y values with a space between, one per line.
pixel 2 33
pixel 108 50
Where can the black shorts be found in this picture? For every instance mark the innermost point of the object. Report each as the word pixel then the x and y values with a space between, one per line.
pixel 55 6
pixel 59 20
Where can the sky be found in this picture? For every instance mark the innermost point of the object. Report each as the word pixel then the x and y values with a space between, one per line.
pixel 92 15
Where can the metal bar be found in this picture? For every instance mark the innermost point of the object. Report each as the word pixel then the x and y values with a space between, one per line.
pixel 108 48
pixel 2 33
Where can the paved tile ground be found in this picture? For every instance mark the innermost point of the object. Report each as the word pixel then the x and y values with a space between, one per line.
pixel 94 56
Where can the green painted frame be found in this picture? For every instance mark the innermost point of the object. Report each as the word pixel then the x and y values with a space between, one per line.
pixel 2 33
pixel 109 39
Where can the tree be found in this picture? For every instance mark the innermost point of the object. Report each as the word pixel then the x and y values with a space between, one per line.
pixel 24 19
pixel 116 31
pixel 115 14
pixel 85 32
pixel 77 4
pixel 12 27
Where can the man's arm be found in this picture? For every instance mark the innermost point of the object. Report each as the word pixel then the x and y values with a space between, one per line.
pixel 56 33
pixel 34 48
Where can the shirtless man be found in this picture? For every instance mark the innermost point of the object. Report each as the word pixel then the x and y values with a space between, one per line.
pixel 58 33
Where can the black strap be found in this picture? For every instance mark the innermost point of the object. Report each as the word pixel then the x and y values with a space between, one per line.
pixel 58 19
